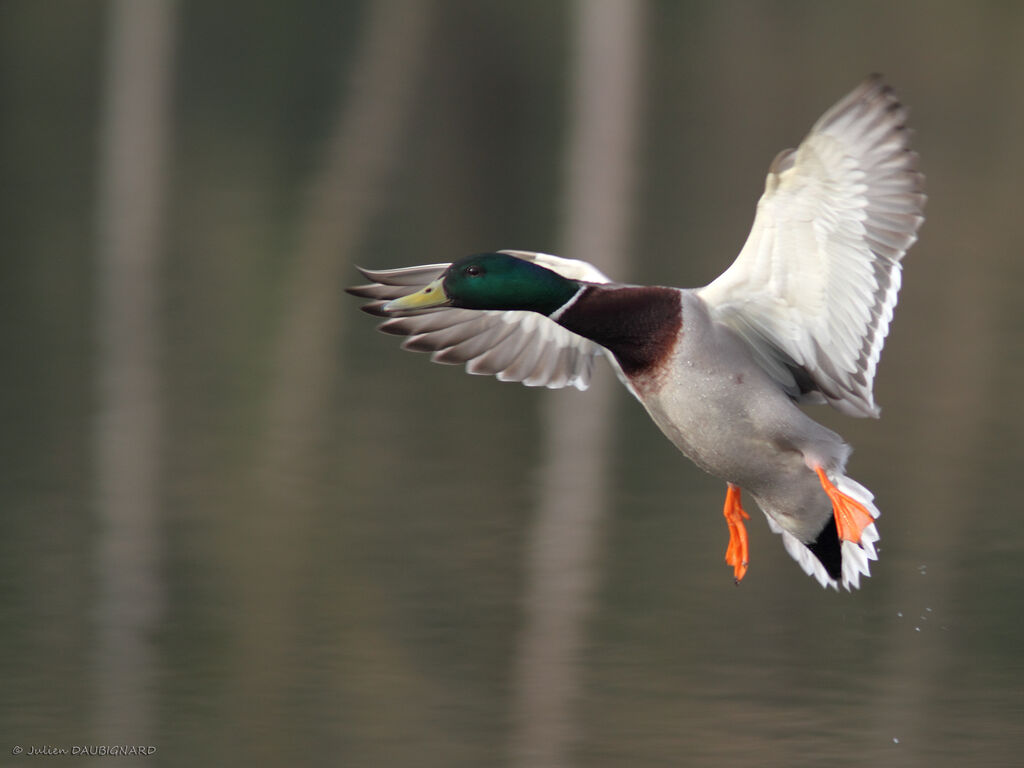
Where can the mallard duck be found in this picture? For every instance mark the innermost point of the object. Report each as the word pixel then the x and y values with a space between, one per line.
pixel 799 317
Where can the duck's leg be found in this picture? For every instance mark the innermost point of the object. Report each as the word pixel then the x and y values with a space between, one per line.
pixel 852 517
pixel 738 553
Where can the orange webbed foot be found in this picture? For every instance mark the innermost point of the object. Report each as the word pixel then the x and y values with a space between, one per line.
pixel 738 552
pixel 852 517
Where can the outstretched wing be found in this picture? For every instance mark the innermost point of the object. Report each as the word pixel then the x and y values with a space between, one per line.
pixel 514 346
pixel 814 288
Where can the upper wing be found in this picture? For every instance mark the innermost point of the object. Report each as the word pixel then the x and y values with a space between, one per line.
pixel 514 346
pixel 814 288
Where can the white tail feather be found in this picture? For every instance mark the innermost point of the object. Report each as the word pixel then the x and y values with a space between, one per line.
pixel 856 557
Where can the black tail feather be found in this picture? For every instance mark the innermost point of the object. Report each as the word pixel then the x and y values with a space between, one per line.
pixel 828 549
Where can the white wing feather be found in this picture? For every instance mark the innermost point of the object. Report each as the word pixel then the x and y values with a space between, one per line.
pixel 814 287
pixel 514 346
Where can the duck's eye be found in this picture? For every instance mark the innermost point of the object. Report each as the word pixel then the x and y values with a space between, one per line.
pixel 474 270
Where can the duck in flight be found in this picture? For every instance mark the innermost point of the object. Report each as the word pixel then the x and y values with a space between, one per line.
pixel 799 317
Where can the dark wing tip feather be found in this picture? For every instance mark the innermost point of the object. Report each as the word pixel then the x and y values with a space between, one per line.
pixel 375 308
pixel 365 291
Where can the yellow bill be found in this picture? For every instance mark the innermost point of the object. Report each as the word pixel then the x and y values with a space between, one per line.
pixel 432 295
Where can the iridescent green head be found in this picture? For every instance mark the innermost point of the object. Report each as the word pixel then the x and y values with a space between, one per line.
pixel 497 281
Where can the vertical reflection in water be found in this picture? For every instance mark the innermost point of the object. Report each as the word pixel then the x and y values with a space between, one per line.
pixel 342 197
pixel 130 595
pixel 564 543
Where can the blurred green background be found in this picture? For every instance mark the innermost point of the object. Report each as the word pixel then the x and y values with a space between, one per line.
pixel 243 527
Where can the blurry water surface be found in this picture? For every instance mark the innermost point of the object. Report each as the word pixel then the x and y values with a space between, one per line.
pixel 244 528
